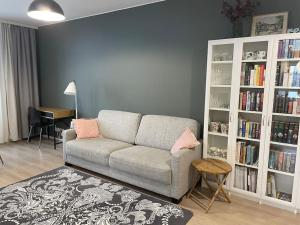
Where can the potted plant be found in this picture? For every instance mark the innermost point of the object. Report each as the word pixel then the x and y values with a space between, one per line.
pixel 235 14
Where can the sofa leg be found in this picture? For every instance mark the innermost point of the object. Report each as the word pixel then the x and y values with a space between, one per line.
pixel 176 201
pixel 67 164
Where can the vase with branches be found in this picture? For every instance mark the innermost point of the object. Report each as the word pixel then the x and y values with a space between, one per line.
pixel 235 13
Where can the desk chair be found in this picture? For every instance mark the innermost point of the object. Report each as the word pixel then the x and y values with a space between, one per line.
pixel 35 121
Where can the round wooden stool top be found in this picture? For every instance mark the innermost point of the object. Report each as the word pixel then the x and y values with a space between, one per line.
pixel 212 166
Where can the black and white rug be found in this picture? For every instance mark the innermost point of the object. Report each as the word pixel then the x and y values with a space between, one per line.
pixel 68 196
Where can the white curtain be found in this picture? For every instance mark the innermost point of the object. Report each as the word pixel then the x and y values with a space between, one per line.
pixel 8 107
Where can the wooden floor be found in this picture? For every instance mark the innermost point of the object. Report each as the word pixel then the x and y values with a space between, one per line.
pixel 24 160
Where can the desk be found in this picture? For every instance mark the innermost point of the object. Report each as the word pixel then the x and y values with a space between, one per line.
pixel 55 115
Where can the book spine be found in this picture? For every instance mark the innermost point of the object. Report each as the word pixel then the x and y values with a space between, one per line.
pixel 294 107
pixel 257 74
pixel 257 104
pixel 248 100
pixel 286 48
pixel 277 80
pixel 252 101
pixel 252 77
pixel 262 75
pixel 280 46
pixel 243 73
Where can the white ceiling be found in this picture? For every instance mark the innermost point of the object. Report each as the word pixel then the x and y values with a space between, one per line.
pixel 15 11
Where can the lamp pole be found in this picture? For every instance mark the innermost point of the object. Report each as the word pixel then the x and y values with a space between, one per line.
pixel 76 106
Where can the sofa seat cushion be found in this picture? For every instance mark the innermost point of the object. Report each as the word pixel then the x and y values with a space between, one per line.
pixel 95 150
pixel 151 163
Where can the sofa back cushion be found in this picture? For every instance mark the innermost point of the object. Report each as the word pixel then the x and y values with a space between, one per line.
pixel 118 125
pixel 162 131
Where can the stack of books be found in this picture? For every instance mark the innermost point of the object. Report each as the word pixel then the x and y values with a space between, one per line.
pixel 289 49
pixel 246 153
pixel 245 178
pixel 272 191
pixel 282 160
pixel 251 101
pixel 249 129
pixel 285 132
pixel 287 102
pixel 253 75
pixel 287 76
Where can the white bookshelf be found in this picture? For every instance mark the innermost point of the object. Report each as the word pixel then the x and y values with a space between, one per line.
pixel 224 84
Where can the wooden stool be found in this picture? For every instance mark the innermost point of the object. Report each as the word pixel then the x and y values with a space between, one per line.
pixel 220 171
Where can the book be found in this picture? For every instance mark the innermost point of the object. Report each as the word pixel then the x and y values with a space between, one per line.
pixel 251 101
pixel 282 160
pixel 252 74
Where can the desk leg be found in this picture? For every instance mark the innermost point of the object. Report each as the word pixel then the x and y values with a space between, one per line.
pixel 54 135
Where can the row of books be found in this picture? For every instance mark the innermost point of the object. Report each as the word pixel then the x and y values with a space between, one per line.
pixel 282 160
pixel 245 178
pixel 253 75
pixel 287 102
pixel 251 101
pixel 288 49
pixel 246 153
pixel 285 132
pixel 272 191
pixel 249 129
pixel 287 76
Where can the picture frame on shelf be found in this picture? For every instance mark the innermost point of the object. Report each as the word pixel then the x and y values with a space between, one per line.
pixel 266 24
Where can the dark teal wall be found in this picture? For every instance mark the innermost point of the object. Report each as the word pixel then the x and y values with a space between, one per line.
pixel 150 59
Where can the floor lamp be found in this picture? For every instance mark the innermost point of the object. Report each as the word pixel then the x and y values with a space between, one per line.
pixel 71 90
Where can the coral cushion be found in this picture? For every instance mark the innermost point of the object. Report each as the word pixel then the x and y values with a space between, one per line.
pixel 86 128
pixel 186 140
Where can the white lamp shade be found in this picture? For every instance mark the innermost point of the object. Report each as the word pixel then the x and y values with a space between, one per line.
pixel 71 89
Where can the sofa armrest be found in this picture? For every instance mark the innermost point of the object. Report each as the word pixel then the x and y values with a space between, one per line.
pixel 182 174
pixel 68 135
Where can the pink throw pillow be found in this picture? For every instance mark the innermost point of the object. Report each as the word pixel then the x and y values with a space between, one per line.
pixel 186 140
pixel 86 128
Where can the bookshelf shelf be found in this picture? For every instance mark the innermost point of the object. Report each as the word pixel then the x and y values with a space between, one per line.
pixel 218 134
pixel 281 172
pixel 248 139
pixel 219 109
pixel 254 61
pixel 287 115
pixel 283 144
pixel 248 166
pixel 288 60
pixel 286 88
pixel 250 112
pixel 222 62
pixel 251 87
pixel 271 86
pixel 220 86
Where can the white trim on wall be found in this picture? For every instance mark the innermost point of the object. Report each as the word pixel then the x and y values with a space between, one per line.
pixel 110 11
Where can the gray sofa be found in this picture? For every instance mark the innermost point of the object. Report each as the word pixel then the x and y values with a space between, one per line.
pixel 136 149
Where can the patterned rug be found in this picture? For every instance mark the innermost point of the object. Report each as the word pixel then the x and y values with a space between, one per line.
pixel 68 196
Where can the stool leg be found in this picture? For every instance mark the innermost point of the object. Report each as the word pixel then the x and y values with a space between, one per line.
pixel 223 191
pixel 220 186
pixel 1 160
pixel 193 187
